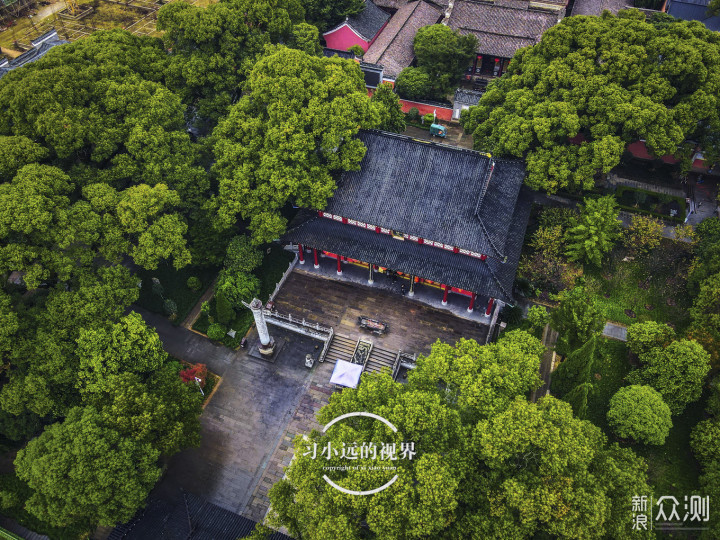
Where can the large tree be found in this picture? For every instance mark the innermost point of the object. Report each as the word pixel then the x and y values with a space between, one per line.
pixel 488 464
pixel 327 13
pixel 595 232
pixel 571 104
pixel 288 136
pixel 677 371
pixel 577 319
pixel 83 471
pixel 214 47
pixel 442 57
pixel 638 412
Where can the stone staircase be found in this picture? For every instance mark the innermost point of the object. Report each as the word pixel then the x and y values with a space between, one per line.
pixel 342 348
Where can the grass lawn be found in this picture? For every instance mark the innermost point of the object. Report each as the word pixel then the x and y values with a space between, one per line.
pixel 275 263
pixel 175 287
pixel 672 468
pixel 652 288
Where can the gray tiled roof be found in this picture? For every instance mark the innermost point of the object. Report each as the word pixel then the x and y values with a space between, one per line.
pixel 431 191
pixel 596 7
pixel 501 29
pixel 369 21
pixel 428 262
pixel 191 519
pixel 44 43
pixel 694 10
pixel 467 97
pixel 393 48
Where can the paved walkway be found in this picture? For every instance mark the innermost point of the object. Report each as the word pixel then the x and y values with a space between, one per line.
pixel 549 338
pixel 414 327
pixel 243 423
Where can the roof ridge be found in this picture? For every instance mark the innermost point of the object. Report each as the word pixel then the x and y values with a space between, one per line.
pixel 415 140
pixel 417 3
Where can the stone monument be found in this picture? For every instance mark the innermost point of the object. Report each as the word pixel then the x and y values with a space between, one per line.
pixel 266 344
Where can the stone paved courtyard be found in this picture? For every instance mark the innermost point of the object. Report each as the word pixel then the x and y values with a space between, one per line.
pixel 259 407
pixel 414 326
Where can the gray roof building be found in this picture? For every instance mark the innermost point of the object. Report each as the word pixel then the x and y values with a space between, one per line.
pixel 502 27
pixel 367 23
pixel 393 48
pixel 41 46
pixel 694 10
pixel 466 208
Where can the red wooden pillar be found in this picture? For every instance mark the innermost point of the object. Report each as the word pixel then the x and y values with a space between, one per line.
pixel 339 267
pixel 490 306
pixel 301 255
pixel 317 264
pixel 445 295
pixel 472 302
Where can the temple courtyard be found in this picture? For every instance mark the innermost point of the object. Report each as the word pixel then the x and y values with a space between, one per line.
pixel 250 422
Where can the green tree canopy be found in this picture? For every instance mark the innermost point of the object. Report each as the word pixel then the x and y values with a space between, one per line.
pixel 639 413
pixel 306 38
pixel 83 471
pixel 287 136
pixel 413 83
pixel 596 230
pixel 43 362
pixel 327 13
pixel 213 48
pixel 16 152
pixel 677 371
pixel 127 346
pixel 444 55
pixel 510 470
pixel 612 80
pixel 576 319
pixel 645 336
pixel 391 115
pixel 157 408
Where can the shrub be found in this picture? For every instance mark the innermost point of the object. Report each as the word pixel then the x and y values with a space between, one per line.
pixel 429 118
pixel 639 413
pixel 157 287
pixel 596 230
pixel 196 370
pixel 216 331
pixel 413 115
pixel 564 218
pixel 223 309
pixel 205 308
pixel 538 317
pixel 193 283
pixel 511 314
pixel 357 50
pixel 644 234
pixel 170 307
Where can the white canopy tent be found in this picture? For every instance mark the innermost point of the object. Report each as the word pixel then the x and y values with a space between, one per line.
pixel 346 374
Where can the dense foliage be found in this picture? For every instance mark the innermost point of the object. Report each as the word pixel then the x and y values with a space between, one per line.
pixel 213 48
pixel 595 232
pixel 286 137
pixel 442 57
pixel 489 464
pixel 639 413
pixel 604 82
pixel 577 319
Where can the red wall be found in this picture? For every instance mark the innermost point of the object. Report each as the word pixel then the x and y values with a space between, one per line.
pixel 443 113
pixel 343 38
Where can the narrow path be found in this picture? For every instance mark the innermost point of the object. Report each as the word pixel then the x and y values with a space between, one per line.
pixel 549 338
pixel 195 311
